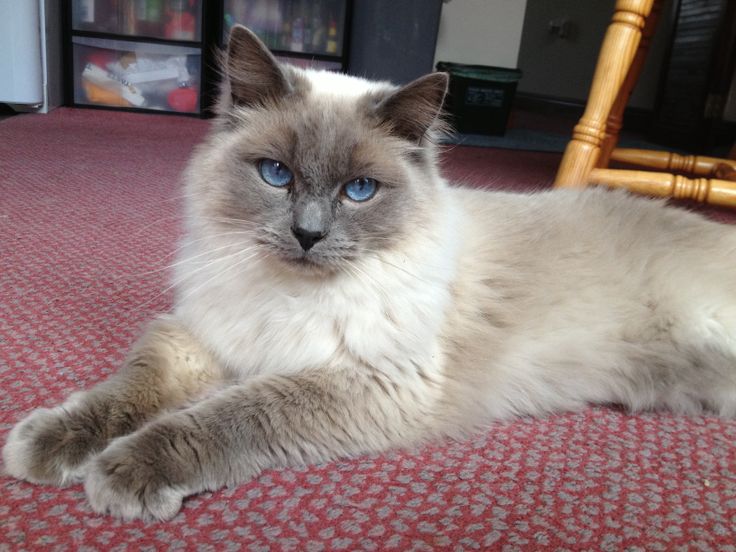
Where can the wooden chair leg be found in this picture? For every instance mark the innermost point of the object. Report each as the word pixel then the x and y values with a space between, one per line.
pixel 698 165
pixel 712 191
pixel 615 119
pixel 614 62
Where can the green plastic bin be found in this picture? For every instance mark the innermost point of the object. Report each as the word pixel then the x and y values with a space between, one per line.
pixel 480 97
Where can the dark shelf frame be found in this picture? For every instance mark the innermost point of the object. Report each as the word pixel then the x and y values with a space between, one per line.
pixel 138 38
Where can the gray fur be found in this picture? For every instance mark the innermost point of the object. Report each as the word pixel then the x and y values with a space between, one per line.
pixel 427 310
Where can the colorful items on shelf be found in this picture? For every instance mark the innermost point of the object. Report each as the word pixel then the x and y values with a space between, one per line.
pixel 170 19
pixel 290 25
pixel 183 99
pixel 180 21
pixel 129 79
pixel 331 47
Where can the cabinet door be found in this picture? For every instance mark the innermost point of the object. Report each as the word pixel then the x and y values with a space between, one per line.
pixel 166 19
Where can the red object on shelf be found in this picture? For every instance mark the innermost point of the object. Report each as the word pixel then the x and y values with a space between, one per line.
pixel 183 99
pixel 102 57
pixel 181 23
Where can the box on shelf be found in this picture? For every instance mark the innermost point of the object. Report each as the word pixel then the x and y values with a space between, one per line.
pixel 480 97
pixel 120 73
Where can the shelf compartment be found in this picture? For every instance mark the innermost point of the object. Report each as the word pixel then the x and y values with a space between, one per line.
pixel 314 27
pixel 136 75
pixel 162 19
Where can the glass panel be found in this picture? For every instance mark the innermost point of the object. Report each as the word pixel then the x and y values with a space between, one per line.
pixel 170 19
pixel 307 63
pixel 135 74
pixel 315 27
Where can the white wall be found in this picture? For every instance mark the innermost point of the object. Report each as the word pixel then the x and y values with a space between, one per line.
pixel 482 32
pixel 21 80
pixel 30 54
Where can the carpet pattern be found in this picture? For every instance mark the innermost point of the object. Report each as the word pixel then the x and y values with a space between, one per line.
pixel 89 204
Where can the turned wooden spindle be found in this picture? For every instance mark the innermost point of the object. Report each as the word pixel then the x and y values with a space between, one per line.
pixel 714 191
pixel 614 62
pixel 594 137
pixel 614 123
pixel 665 161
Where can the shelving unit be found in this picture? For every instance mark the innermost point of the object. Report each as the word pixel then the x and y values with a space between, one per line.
pixel 159 55
pixel 141 55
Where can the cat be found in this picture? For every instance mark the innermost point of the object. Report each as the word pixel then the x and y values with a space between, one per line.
pixel 335 296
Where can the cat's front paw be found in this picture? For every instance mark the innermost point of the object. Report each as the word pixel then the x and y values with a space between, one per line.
pixel 49 446
pixel 129 481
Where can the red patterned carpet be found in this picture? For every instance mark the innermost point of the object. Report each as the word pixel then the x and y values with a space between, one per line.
pixel 88 212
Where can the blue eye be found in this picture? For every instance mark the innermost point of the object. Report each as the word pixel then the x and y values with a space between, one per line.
pixel 275 173
pixel 361 189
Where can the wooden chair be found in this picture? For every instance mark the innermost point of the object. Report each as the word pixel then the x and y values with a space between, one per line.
pixel 595 137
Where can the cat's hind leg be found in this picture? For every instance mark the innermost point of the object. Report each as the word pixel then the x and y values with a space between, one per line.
pixel 709 342
pixel 165 369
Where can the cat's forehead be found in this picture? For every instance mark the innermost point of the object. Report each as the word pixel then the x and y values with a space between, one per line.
pixel 328 117
pixel 326 84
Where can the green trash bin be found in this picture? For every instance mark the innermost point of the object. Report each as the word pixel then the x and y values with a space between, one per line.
pixel 480 97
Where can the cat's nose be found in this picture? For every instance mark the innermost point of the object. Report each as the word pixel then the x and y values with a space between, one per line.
pixel 307 238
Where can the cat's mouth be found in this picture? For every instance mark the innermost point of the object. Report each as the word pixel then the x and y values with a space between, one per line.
pixel 306 261
pixel 312 261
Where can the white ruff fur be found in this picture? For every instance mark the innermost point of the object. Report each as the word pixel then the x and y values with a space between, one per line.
pixel 259 319
pixel 310 325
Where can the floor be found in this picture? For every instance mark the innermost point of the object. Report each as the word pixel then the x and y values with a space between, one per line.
pixel 89 219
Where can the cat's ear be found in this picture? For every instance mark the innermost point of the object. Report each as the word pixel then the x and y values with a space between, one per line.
pixel 254 74
pixel 413 109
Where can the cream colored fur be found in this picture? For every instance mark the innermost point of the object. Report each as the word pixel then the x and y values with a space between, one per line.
pixel 429 310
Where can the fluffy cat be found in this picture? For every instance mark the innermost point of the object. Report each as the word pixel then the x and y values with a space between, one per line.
pixel 335 296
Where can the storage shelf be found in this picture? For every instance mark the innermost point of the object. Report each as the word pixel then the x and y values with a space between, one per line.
pixel 109 66
pixel 142 38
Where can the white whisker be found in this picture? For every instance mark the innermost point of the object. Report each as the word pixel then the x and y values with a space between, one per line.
pixel 178 281
pixel 228 268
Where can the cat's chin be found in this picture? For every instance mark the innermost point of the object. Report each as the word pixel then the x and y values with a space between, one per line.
pixel 307 265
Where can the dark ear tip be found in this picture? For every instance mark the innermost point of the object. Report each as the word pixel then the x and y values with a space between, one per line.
pixel 237 31
pixel 240 34
pixel 438 80
pixel 443 79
